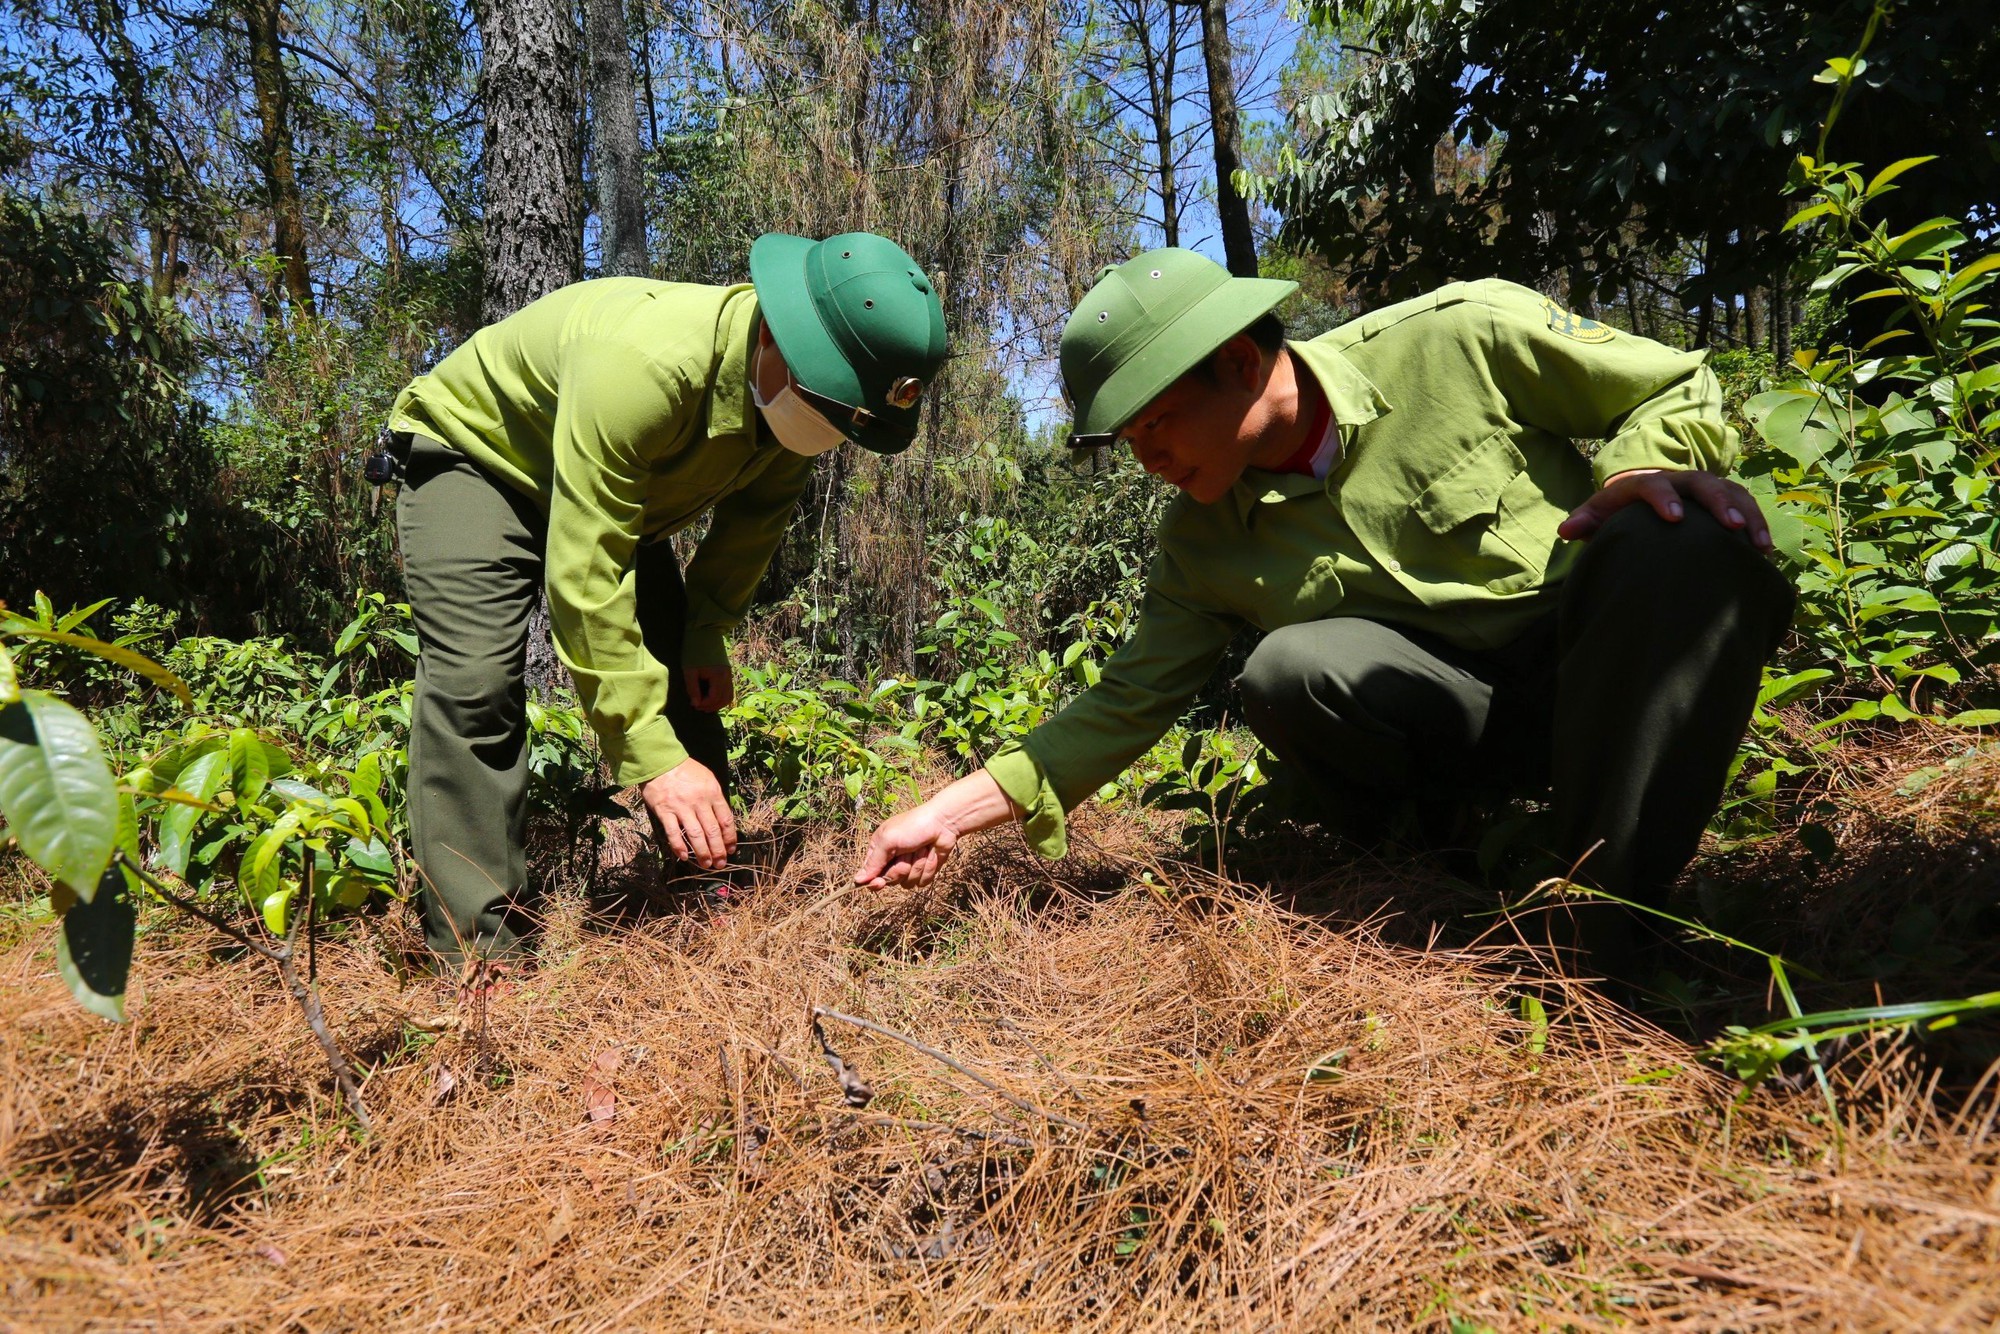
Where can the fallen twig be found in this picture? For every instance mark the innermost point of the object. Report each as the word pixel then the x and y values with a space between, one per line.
pixel 821 1012
pixel 852 1086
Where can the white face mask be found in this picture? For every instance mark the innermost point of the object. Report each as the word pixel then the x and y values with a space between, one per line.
pixel 798 426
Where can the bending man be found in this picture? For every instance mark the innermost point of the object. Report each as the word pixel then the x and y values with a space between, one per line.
pixel 560 448
pixel 1448 589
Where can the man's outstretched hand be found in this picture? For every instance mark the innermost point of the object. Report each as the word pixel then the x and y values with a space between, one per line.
pixel 1669 492
pixel 908 850
pixel 690 809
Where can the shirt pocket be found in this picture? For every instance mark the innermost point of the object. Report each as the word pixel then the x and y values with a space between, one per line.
pixel 1483 513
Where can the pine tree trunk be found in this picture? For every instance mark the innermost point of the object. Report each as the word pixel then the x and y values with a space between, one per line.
pixel 1159 67
pixel 528 86
pixel 528 83
pixel 273 91
pixel 1239 246
pixel 614 131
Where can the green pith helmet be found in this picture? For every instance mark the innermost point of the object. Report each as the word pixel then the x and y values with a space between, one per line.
pixel 1145 324
pixel 859 324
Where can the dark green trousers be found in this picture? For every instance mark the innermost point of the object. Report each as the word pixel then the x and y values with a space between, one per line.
pixel 1628 699
pixel 472 562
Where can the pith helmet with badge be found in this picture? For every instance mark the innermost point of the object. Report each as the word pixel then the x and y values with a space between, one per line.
pixel 1146 323
pixel 860 325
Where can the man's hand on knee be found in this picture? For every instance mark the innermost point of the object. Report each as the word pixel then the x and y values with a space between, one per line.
pixel 689 806
pixel 1667 491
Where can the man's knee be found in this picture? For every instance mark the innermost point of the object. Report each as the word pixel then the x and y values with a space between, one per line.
pixel 1322 684
pixel 1274 677
pixel 1696 539
pixel 482 697
pixel 1697 554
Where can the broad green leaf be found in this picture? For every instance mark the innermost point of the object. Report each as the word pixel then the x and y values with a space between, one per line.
pixel 258 872
pixel 1949 558
pixel 355 629
pixel 200 741
pixel 291 789
pixel 1802 425
pixel 277 909
pixel 249 771
pixel 363 820
pixel 347 889
pixel 371 856
pixel 1782 690
pixel 1895 169
pixel 75 618
pixel 1975 718
pixel 94 950
pixel 126 838
pixel 1788 533
pixel 124 657
pixel 10 680
pixel 1968 277
pixel 1896 512
pixel 1924 240
pixel 200 780
pixel 253 763
pixel 56 791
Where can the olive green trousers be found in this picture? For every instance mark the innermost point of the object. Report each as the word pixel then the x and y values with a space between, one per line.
pixel 472 562
pixel 1628 699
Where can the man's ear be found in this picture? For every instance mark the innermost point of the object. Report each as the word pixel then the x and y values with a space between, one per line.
pixel 1239 363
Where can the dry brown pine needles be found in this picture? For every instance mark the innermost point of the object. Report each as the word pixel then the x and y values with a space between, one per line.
pixel 1217 1115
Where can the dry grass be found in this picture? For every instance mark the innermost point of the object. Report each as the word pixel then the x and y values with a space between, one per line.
pixel 1447 1162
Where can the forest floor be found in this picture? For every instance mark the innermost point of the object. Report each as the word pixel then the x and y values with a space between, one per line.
pixel 1127 1094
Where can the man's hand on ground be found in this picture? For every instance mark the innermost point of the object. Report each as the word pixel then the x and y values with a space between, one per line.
pixel 710 688
pixel 1667 491
pixel 690 809
pixel 909 849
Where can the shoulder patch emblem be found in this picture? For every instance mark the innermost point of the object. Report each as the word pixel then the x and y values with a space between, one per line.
pixel 1571 325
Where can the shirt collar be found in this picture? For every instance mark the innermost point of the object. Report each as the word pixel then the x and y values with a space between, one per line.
pixel 730 411
pixel 1355 400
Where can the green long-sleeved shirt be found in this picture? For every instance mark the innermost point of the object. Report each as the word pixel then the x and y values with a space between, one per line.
pixel 1457 411
pixel 622 407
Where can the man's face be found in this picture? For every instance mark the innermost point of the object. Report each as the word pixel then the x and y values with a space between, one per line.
pixel 1198 434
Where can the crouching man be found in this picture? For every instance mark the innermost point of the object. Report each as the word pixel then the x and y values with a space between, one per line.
pixel 1448 590
pixel 560 448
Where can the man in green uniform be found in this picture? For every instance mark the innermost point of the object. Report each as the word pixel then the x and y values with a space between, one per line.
pixel 559 448
pixel 1448 589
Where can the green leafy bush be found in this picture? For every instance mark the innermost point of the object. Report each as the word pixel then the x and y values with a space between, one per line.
pixel 1878 475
